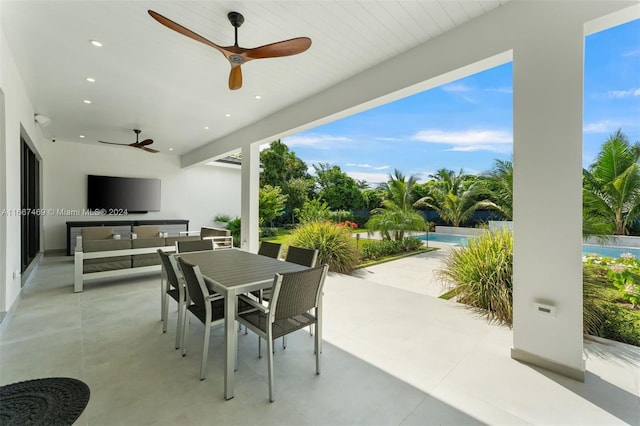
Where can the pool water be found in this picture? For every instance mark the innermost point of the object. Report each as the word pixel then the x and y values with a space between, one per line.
pixel 606 251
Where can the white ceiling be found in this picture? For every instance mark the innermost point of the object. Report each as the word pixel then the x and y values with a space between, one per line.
pixel 171 87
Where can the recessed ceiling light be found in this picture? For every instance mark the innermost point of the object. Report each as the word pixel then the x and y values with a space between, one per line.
pixel 170 149
pixel 257 97
pixel 227 115
pixel 91 79
pixel 206 127
pixel 87 101
pixel 96 43
pixel 81 136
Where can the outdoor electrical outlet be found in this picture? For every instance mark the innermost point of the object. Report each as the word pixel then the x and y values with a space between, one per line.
pixel 545 309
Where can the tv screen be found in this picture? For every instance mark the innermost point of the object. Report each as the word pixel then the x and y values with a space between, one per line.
pixel 116 194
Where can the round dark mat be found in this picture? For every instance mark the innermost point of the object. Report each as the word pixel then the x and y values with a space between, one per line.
pixel 50 401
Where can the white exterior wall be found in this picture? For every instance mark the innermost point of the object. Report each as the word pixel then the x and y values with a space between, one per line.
pixel 17 120
pixel 196 194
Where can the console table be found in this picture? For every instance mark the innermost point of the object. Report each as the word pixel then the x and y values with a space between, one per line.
pixel 123 227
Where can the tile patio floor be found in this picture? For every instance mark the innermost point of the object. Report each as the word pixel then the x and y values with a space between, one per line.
pixel 392 356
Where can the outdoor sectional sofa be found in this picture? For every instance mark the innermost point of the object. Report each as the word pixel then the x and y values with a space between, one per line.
pixel 102 255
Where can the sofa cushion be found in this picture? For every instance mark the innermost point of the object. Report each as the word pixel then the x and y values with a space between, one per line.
pixel 106 263
pixel 146 231
pixel 96 233
pixel 146 259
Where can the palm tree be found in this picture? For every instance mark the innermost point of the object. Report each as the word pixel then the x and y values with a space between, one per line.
pixel 611 187
pixel 397 215
pixel 500 183
pixel 455 197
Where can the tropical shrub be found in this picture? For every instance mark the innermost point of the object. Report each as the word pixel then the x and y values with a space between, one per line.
pixel 376 249
pixel 314 211
pixel 335 245
pixel 266 232
pixel 482 275
pixel 234 227
pixel 338 216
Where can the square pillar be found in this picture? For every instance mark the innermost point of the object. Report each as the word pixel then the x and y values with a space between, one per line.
pixel 547 269
pixel 250 184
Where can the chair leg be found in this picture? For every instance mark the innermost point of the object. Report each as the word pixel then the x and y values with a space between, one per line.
pixel 205 350
pixel 259 347
pixel 317 348
pixel 179 326
pixel 185 332
pixel 284 342
pixel 270 366
pixel 165 312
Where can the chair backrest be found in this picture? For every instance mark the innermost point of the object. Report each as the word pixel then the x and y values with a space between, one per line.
pixel 302 256
pixel 170 267
pixel 270 249
pixel 295 293
pixel 195 245
pixel 196 287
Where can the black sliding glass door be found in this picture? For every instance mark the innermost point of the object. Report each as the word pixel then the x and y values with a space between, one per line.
pixel 30 202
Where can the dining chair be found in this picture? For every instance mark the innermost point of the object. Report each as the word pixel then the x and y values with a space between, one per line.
pixel 302 256
pixel 194 245
pixel 270 249
pixel 296 303
pixel 171 285
pixel 205 305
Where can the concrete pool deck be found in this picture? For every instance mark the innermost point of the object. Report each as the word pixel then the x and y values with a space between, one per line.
pixel 413 273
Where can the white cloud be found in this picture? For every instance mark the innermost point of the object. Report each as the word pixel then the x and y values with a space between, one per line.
pixel 500 90
pixel 371 178
pixel 382 168
pixel 604 126
pixel 381 138
pixel 632 53
pixel 619 94
pixel 316 140
pixel 468 140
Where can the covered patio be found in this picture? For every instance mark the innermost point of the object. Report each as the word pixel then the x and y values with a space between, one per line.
pixel 391 356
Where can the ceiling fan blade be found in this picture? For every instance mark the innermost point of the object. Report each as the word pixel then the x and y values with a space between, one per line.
pixel 235 77
pixel 149 149
pixel 145 142
pixel 281 48
pixel 113 143
pixel 183 30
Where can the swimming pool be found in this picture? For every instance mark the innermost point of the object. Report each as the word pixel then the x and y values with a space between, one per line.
pixel 606 251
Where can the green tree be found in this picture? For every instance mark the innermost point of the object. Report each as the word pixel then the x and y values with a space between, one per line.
pixel 297 191
pixel 611 187
pixel 280 165
pixel 314 211
pixel 500 183
pixel 455 197
pixel 271 204
pixel 339 190
pixel 372 198
pixel 397 215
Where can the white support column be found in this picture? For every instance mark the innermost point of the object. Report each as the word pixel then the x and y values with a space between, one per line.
pixel 249 197
pixel 547 109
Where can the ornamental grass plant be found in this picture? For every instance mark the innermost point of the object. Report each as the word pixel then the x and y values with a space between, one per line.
pixel 335 244
pixel 481 275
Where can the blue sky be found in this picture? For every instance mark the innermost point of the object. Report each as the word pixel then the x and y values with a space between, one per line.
pixel 467 124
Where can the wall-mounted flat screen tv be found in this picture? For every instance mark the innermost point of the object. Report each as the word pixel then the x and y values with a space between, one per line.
pixel 116 194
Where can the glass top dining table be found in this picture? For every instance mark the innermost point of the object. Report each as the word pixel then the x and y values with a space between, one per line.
pixel 231 272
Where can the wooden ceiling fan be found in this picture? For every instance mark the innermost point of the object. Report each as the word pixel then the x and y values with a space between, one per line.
pixel 142 144
pixel 235 54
